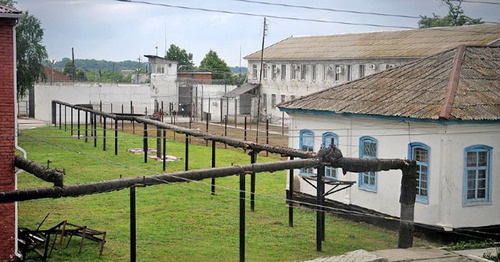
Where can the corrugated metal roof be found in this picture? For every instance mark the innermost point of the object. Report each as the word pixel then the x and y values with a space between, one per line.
pixel 419 89
pixel 240 90
pixel 389 44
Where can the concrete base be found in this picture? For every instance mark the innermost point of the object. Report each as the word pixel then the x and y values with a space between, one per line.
pixel 29 123
pixel 421 254
pixel 359 255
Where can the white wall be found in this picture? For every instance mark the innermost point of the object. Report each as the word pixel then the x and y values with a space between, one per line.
pixel 85 93
pixel 455 213
pixel 210 95
pixel 300 87
pixel 164 88
pixel 447 144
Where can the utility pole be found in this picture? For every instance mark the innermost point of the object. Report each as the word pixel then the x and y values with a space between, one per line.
pixel 165 40
pixel 74 66
pixel 262 50
pixel 138 68
pixel 260 77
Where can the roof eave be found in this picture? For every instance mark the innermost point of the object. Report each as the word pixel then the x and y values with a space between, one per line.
pixel 452 121
pixel 12 15
pixel 336 58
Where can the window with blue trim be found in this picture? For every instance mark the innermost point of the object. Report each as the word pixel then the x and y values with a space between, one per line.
pixel 327 139
pixel 368 149
pixel 306 143
pixel 477 174
pixel 420 153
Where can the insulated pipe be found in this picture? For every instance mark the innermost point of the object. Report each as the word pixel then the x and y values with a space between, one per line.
pixel 46 174
pixel 347 164
pixel 119 184
pixel 226 140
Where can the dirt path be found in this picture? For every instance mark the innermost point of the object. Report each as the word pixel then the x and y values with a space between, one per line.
pixel 275 132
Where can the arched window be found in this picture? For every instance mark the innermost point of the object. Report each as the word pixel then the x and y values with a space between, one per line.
pixel 477 175
pixel 326 141
pixel 421 153
pixel 368 149
pixel 306 143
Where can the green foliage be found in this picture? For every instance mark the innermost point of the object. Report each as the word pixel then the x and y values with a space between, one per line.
pixel 81 76
pixel 471 244
pixel 493 257
pixel 9 3
pixel 106 77
pixel 455 17
pixel 30 53
pixel 104 65
pixel 184 58
pixel 217 66
pixel 238 79
pixel 97 75
pixel 68 68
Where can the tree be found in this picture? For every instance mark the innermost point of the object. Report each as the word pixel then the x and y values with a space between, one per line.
pixel 217 66
pixel 9 3
pixel 68 68
pixel 184 58
pixel 30 51
pixel 80 76
pixel 455 17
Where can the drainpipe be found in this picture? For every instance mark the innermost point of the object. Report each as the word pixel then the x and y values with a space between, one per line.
pixel 16 225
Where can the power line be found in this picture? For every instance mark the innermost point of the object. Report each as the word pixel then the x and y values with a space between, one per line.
pixel 288 17
pixel 480 2
pixel 263 15
pixel 328 9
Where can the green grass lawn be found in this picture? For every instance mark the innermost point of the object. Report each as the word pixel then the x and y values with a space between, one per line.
pixel 178 222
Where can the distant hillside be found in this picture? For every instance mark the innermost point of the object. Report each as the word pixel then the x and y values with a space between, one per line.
pixel 103 65
pixel 236 70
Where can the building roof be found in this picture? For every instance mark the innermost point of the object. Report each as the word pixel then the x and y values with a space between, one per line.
pixel 247 87
pixel 55 75
pixel 153 57
pixel 194 72
pixel 417 43
pixel 9 12
pixel 459 84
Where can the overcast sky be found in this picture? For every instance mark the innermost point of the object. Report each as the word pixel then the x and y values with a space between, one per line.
pixel 114 30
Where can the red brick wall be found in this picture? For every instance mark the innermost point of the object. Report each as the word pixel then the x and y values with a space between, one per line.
pixel 202 78
pixel 7 132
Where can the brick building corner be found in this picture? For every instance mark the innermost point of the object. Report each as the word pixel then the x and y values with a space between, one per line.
pixel 8 20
